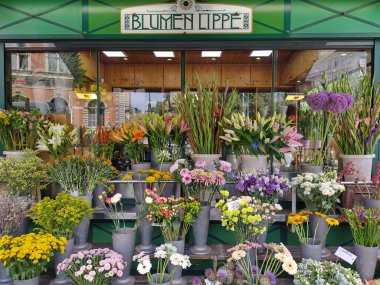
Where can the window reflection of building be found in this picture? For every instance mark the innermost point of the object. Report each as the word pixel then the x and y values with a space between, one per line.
pixel 92 113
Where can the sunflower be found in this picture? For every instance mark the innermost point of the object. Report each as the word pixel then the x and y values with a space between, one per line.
pixel 332 222
pixel 319 214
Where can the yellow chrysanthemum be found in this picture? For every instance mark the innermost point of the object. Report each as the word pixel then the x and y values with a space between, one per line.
pixel 319 214
pixel 332 222
pixel 150 179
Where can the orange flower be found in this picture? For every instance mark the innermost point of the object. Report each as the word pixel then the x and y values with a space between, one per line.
pixel 137 135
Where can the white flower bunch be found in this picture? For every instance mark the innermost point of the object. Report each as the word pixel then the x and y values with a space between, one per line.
pixel 311 272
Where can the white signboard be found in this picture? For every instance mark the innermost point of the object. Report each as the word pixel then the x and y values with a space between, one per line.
pixel 345 255
pixel 186 17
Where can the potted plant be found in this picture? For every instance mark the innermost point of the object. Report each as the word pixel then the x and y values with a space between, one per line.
pixel 19 130
pixel 321 193
pixel 312 272
pixel 95 266
pixel 201 184
pixel 202 110
pixel 369 200
pixel 174 216
pixel 365 228
pixel 357 133
pixel 328 105
pixel 277 260
pixel 123 238
pixel 256 140
pixel 311 246
pixel 13 211
pixel 168 261
pixel 34 252
pixel 60 217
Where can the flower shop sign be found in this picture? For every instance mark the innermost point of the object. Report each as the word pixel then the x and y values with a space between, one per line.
pixel 186 17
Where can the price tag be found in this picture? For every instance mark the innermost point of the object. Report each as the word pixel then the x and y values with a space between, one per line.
pixel 345 255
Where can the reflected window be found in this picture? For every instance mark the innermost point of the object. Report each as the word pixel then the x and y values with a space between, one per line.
pixel 92 113
pixel 59 105
pixel 55 64
pixel 20 61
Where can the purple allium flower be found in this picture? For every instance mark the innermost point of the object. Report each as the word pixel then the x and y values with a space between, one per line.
pixel 318 101
pixel 271 277
pixel 337 103
pixel 208 272
pixel 255 269
pixel 197 281
pixel 350 100
pixel 222 274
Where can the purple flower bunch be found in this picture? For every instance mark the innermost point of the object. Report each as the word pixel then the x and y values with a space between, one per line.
pixel 262 185
pixel 99 266
pixel 333 102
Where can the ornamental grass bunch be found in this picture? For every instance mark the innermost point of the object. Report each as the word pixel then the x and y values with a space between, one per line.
pixel 312 272
pixel 79 175
pixel 198 182
pixel 271 136
pixel 364 224
pixel 57 139
pixel 246 216
pixel 277 260
pixel 27 256
pixel 60 216
pixel 22 175
pixel 262 185
pixel 96 266
pixel 320 192
pixel 164 254
pixel 202 110
pixel 132 137
pixel 13 211
pixel 298 220
pixel 174 215
pixel 19 130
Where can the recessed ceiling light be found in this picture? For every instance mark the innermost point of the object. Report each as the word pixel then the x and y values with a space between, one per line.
pixel 114 53
pixel 169 59
pixel 125 58
pixel 343 54
pixel 261 53
pixel 213 58
pixel 211 53
pixel 164 53
pixel 258 58
pixel 298 81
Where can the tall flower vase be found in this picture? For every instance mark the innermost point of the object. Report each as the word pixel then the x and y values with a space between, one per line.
pixel 251 255
pixel 210 159
pixel 366 261
pixel 251 163
pixel 319 226
pixel 139 187
pixel 61 279
pixel 177 276
pixel 99 206
pixel 371 203
pixel 169 186
pixel 5 276
pixel 312 249
pixel 81 232
pixel 146 235
pixel 23 229
pixel 200 231
pixel 263 237
pixel 308 168
pixel 156 280
pixel 123 242
pixel 33 281
pixel 361 163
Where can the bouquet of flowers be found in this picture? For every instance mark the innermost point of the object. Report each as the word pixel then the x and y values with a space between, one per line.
pixel 262 185
pixel 303 234
pixel 320 192
pixel 57 140
pixel 272 136
pixel 19 130
pixel 246 216
pixel 22 174
pixel 96 266
pixel 331 104
pixel 349 169
pixel 202 111
pixel 132 136
pixel 28 255
pixel 165 254
pixel 277 260
pixel 60 216
pixel 197 181
pixel 101 143
pixel 80 175
pixel 174 215
pixel 178 135
pixel 312 272
pixel 364 224
pixel 13 210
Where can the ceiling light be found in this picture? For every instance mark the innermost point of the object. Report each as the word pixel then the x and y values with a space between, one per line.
pixel 261 53
pixel 213 58
pixel 298 81
pixel 164 53
pixel 211 53
pixel 294 96
pixel 343 54
pixel 86 96
pixel 114 53
pixel 125 58
pixel 258 58
pixel 169 59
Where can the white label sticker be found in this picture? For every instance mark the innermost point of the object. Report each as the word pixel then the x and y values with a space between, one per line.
pixel 345 255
